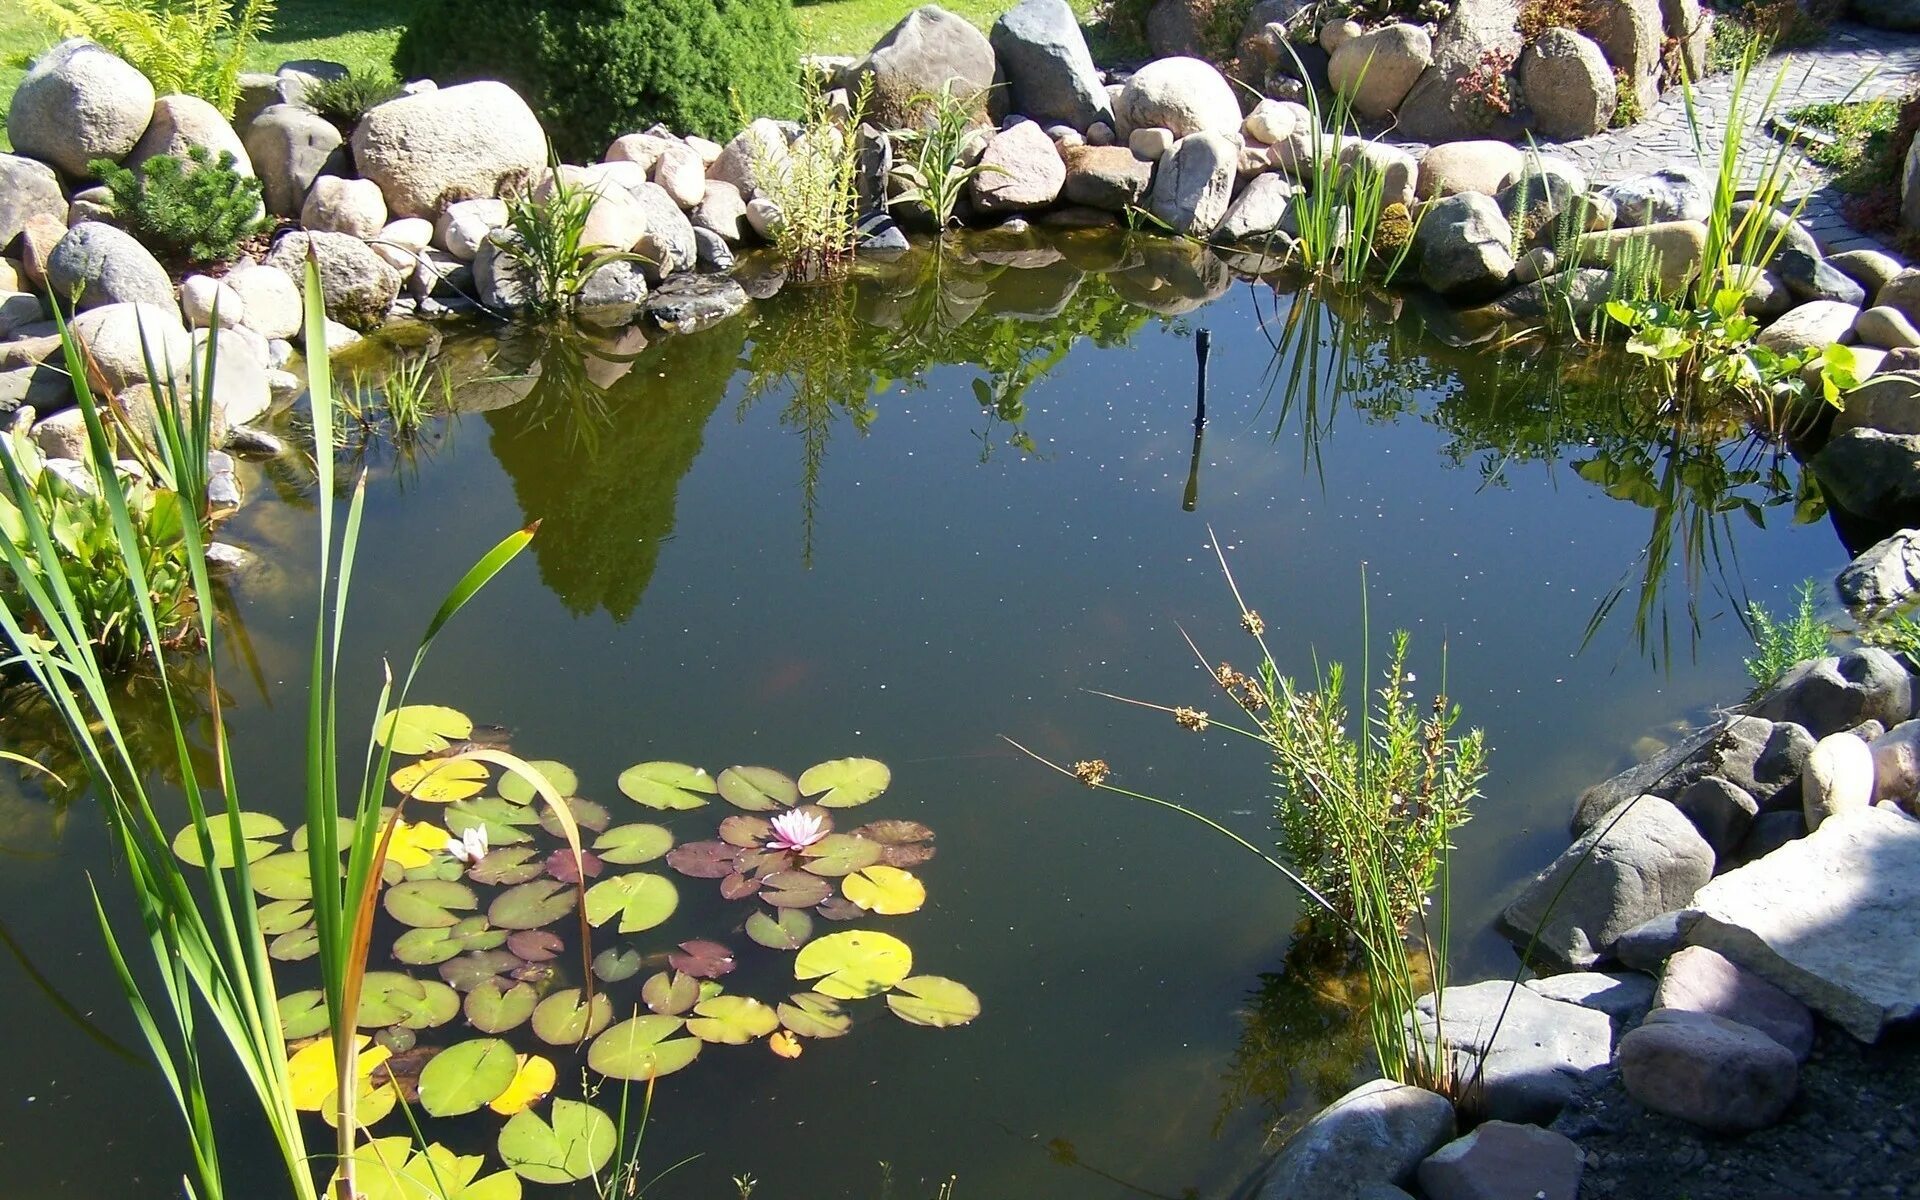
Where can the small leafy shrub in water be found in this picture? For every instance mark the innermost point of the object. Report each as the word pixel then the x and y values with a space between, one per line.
pixel 195 47
pixel 1779 645
pixel 187 211
pixel 814 182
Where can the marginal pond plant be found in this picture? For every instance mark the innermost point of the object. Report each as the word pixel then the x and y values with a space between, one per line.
pixel 1779 644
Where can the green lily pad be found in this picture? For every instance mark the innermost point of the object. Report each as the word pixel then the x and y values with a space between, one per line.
pixel 840 854
pixel 561 1020
pixel 758 789
pixel 642 1048
pixel 463 1078
pixel 855 964
pixel 303 1014
pixel 429 903
pixel 845 782
pixel 639 899
pixel 782 929
pixel 932 1000
pixel 629 845
pixel 670 994
pixel 256 830
pixel 430 947
pixel 515 789
pixel 795 889
pixel 438 1004
pixel 732 1020
pixel 283 916
pixel 295 946
pixel 421 728
pixel 616 963
pixel 447 869
pixel 283 876
pixel 474 968
pixel 667 785
pixel 574 1146
pixel 508 866
pixel 531 905
pixel 388 998
pixel 496 1006
pixel 343 831
pixel 587 814
pixel 810 1014
pixel 506 824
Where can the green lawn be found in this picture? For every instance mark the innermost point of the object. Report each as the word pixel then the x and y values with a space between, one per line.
pixel 853 26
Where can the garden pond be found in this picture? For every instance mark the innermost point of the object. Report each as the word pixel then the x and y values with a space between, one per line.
pixel 903 517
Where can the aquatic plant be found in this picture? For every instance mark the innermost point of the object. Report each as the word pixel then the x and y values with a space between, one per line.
pixel 1779 645
pixel 546 238
pixel 938 173
pixel 814 183
pixel 1338 210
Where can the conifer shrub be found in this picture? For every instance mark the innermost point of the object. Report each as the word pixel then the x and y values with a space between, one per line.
pixel 188 211
pixel 596 69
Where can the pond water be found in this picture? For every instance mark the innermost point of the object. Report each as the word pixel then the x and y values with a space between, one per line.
pixel 908 515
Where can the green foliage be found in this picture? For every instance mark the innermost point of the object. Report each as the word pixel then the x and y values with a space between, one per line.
pixel 546 237
pixel 188 212
pixel 1770 24
pixel 1779 645
pixel 814 181
pixel 345 100
pixel 1899 633
pixel 936 174
pixel 1626 102
pixel 1340 205
pixel 192 46
pixel 596 69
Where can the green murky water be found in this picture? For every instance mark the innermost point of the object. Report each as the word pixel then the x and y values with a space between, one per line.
pixel 908 515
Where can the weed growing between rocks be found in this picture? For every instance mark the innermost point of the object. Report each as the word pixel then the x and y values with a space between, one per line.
pixel 345 100
pixel 1779 644
pixel 937 174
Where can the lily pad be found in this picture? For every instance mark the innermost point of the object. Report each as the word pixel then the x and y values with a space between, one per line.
pixel 429 903
pixel 421 728
pixel 463 1078
pixel 667 785
pixel 702 959
pixel 795 889
pixel 840 854
pixel 839 908
pixel 813 1015
pixel 567 867
pixel 505 824
pixel 438 868
pixel 562 1020
pixel 855 964
pixel 390 1168
pixel 343 835
pixel 845 782
pixel 515 789
pixel 389 998
pixel 616 963
pixel 471 970
pixel 431 947
pixel 508 866
pixel 782 929
pixel 932 1000
pixel 531 1083
pixel 535 945
pixel 904 844
pixel 295 946
pixel 441 780
pixel 639 899
pixel 732 1020
pixel 283 916
pixel 744 831
pixel 531 905
pixel 888 891
pixel 496 1006
pixel 302 1014
pixel 437 1005
pixel 643 1048
pixel 577 1143
pixel 758 789
pixel 256 830
pixel 704 860
pixel 670 994
pixel 630 845
pixel 282 876
pixel 587 814
pixel 738 887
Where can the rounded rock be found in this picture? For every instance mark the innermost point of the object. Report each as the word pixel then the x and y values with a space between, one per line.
pixel 431 149
pixel 1184 95
pixel 120 337
pixel 182 123
pixel 351 206
pixel 100 264
pixel 79 102
pixel 1711 1072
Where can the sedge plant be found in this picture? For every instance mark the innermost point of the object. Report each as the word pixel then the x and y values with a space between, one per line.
pixel 546 238
pixel 1345 226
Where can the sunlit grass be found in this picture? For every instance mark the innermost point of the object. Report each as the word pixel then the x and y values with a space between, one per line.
pixel 853 26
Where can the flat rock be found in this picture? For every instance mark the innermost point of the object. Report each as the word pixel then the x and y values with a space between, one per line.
pixel 1669 194
pixel 1525 1055
pixel 1500 1160
pixel 691 303
pixel 1109 178
pixel 1625 996
pixel 1377 1133
pixel 1709 1071
pixel 1648 945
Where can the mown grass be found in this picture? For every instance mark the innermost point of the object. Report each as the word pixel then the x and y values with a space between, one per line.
pixel 853 26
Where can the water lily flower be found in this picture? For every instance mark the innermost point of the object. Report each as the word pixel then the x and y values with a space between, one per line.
pixel 797 830
pixel 470 847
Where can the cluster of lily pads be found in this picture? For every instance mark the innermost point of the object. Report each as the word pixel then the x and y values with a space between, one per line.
pixel 475 900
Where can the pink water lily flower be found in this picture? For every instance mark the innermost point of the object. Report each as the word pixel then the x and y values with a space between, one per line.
pixel 797 830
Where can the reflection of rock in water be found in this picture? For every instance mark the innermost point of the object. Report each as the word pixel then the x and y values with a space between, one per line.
pixel 601 465
pixel 1173 278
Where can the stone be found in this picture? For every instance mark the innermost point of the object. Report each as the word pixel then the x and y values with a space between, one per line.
pixel 1901 292
pixel 1465 245
pixel 1150 144
pixel 1273 121
pixel 1109 178
pixel 63 435
pixel 1770 831
pixel 1050 74
pixel 436 274
pixel 1832 919
pixel 240 389
pixel 290 147
pixel 500 282
pixel 1838 777
pixel 1809 277
pixel 1500 1160
pixel 92 204
pixel 28 188
pixel 1884 575
pixel 1631 33
pixel 1569 85
pixel 79 102
pixel 1537 1053
pixel 1767 295
pixel 1625 996
pixel 1580 293
pixel 1810 326
pixel 1669 194
pixel 612 293
pixel 1540 190
pixel 643 150
pixel 690 303
pixel 182 123
pixel 457 143
pixel 929 49
pixel 711 251
pixel 682 174
pixel 1827 695
pixel 1437 109
pixel 205 300
pixel 36 245
pixel 1689 26
pixel 723 211
pixel 765 218
pixel 1675 247
pixel 1335 34
pixel 1184 95
pixel 1377 69
pixel 1910 187
pixel 1194 184
pixel 1889 403
pixel 1024 172
pixel 1871 269
pixel 1641 861
pixel 1100 133
pixel 1886 327
pixel 1772 226
pixel 615 220
pixel 1701 980
pixel 96 264
pixel 1397 169
pixel 1706 1070
pixel 400 243
pixel 269 298
pixel 1896 765
pixel 1258 211
pixel 356 284
pixel 120 337
pixel 762 145
pixel 351 206
pixel 465 224
pixel 666 244
pixel 1471 166
pixel 1721 811
pixel 1379 1132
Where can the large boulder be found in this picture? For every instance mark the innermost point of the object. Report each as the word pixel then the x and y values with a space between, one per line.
pixel 1465 246
pixel 1668 194
pixel 79 102
pixel 290 147
pixel 182 123
pixel 1194 184
pixel 432 148
pixel 1690 26
pixel 1438 109
pixel 1872 474
pixel 121 338
pixel 1829 694
pixel 1049 71
pixel 1701 980
pixel 356 285
pixel 1884 575
pixel 1813 325
pixel 761 146
pixel 1110 178
pixel 1022 172
pixel 28 188
pixel 1377 1133
pixel 1631 32
pixel 1500 1160
pixel 1185 95
pixel 1568 84
pixel 1889 402
pixel 97 264
pixel 1762 758
pixel 1522 1055
pixel 1709 1071
pixel 1472 166
pixel 1634 865
pixel 666 245
pixel 1379 67
pixel 929 49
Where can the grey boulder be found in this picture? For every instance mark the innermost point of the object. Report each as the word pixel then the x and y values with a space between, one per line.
pixel 1194 184
pixel 79 102
pixel 356 285
pixel 1465 246
pixel 97 264
pixel 28 188
pixel 1501 1160
pixel 1828 695
pixel 1378 1133
pixel 1049 71
pixel 1708 1071
pixel 1519 1054
pixel 290 148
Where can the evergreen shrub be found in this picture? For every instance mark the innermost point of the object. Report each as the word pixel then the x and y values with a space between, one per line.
pixel 188 211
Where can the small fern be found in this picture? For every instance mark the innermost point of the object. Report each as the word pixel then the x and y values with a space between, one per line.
pixel 187 211
pixel 1779 646
pixel 191 46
